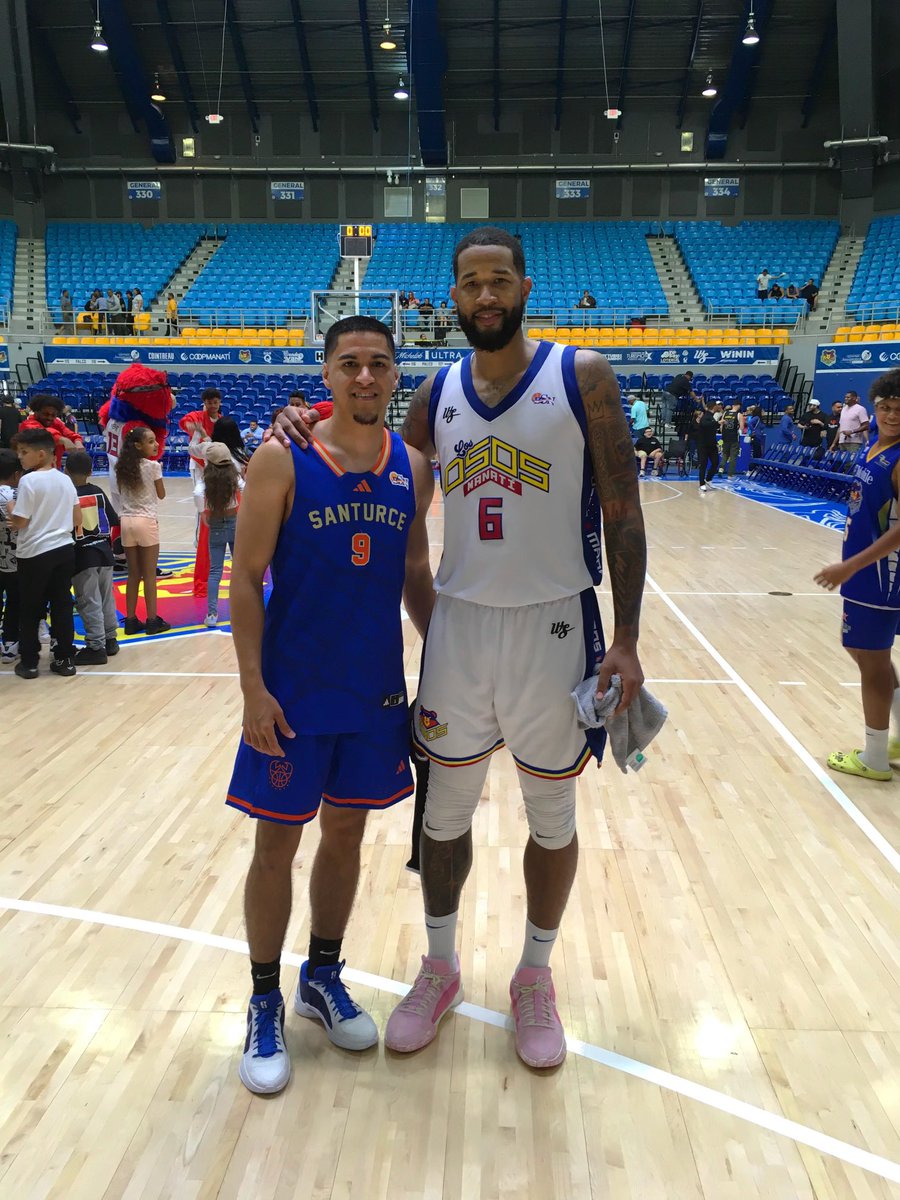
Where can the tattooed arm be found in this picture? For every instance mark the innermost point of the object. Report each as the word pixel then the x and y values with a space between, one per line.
pixel 414 430
pixel 615 479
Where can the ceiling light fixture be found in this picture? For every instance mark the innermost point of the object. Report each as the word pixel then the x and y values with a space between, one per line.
pixel 400 92
pixel 157 95
pixel 215 118
pixel 387 42
pixel 98 41
pixel 710 90
pixel 751 37
pixel 612 114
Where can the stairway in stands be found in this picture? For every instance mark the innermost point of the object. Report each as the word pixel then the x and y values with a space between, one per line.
pixel 835 286
pixel 29 303
pixel 183 279
pixel 678 287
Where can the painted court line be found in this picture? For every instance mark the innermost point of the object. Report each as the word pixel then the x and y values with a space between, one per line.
pixel 878 840
pixel 754 1115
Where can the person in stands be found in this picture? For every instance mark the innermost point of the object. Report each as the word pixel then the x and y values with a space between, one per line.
pixel 810 293
pixel 854 424
pixel 812 424
pixel 648 450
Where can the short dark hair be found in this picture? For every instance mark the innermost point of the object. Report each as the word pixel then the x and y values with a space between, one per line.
pixel 46 400
pixel 9 464
pixel 36 439
pixel 850 391
pixel 885 385
pixel 210 394
pixel 490 235
pixel 357 325
pixel 689 374
pixel 78 462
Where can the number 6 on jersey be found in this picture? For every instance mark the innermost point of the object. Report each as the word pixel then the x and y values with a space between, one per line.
pixel 490 518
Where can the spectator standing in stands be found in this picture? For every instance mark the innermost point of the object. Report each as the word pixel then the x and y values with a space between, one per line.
pixel 44 512
pixel 787 428
pixel 833 425
pixel 122 315
pixel 403 299
pixel 102 313
pixel 113 312
pixel 647 448
pixel 675 394
pixel 870 588
pixel 443 321
pixel 11 417
pixel 140 489
pixel 137 307
pixel 93 577
pixel 812 423
pixel 640 417
pixel 764 283
pixel 171 316
pixel 66 311
pixel 411 301
pixel 46 413
pixel 732 426
pixel 129 314
pixel 587 300
pixel 10 473
pixel 810 294
pixel 853 430
pixel 706 432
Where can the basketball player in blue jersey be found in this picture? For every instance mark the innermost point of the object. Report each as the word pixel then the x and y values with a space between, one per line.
pixel 343 529
pixel 869 581
pixel 530 435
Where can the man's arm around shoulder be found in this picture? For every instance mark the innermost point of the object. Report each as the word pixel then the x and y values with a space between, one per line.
pixel 418 587
pixel 415 430
pixel 615 479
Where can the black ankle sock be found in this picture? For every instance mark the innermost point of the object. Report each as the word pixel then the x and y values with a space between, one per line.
pixel 323 952
pixel 266 977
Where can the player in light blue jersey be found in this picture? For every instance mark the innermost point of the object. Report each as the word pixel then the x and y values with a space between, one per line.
pixel 869 581
pixel 343 528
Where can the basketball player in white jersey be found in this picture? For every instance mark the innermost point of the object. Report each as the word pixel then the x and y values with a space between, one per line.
pixel 529 436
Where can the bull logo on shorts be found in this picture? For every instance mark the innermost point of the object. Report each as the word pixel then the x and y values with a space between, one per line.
pixel 430 725
pixel 280 772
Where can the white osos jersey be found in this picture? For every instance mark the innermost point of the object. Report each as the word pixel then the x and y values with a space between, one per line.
pixel 521 518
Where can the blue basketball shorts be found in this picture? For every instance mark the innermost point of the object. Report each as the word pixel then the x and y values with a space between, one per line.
pixel 864 628
pixel 347 770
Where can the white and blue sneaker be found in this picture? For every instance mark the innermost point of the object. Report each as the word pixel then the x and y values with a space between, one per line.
pixel 265 1066
pixel 325 998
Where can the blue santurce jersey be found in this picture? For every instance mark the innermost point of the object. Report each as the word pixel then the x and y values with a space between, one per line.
pixel 332 652
pixel 871 512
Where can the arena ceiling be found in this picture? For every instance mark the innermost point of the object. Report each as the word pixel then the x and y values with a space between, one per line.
pixel 280 53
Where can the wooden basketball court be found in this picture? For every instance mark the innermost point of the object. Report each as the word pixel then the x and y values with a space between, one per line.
pixel 728 971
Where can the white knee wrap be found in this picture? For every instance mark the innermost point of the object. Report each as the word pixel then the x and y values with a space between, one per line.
pixel 453 795
pixel 550 808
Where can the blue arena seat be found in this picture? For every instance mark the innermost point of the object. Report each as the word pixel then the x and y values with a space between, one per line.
pixel 8 234
pixel 875 292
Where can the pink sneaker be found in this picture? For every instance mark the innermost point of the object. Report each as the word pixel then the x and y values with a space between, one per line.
pixel 540 1037
pixel 413 1023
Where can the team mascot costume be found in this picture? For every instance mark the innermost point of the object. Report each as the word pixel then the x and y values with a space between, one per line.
pixel 139 396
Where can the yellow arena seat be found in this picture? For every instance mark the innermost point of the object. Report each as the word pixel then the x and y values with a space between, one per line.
pixel 535 334
pixel 296 337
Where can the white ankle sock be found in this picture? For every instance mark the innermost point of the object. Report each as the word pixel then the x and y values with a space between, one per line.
pixel 895 712
pixel 538 944
pixel 875 754
pixel 442 937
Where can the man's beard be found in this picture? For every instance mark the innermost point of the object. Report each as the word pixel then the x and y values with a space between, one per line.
pixel 492 339
pixel 366 418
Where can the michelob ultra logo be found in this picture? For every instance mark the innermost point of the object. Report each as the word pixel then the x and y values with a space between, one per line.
pixel 494 461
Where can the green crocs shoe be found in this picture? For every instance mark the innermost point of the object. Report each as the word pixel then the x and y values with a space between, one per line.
pixel 851 764
pixel 894 749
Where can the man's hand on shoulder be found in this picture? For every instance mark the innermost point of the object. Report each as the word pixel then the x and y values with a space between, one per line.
pixel 293 425
pixel 415 430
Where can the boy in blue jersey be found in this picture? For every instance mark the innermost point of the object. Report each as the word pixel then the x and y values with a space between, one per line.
pixel 869 580
pixel 343 529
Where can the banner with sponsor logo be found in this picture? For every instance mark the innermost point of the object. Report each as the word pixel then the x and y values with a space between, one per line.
pixel 186 357
pixel 852 366
pixel 4 358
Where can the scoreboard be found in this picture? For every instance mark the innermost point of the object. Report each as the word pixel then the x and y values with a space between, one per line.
pixel 356 241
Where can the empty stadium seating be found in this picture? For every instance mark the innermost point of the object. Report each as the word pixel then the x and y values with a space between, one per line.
pixel 725 260
pixel 82 256
pixel 638 336
pixel 609 258
pixel 875 292
pixel 263 275
pixel 8 233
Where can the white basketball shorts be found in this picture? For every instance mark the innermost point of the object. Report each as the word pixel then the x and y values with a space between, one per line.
pixel 504 676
